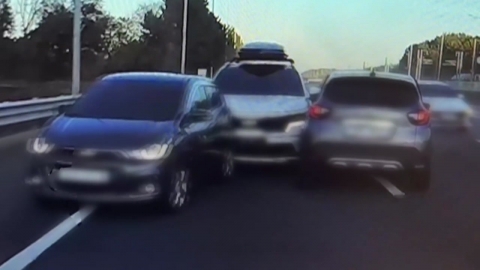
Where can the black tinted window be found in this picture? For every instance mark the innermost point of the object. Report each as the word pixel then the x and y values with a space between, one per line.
pixel 200 99
pixel 371 92
pixel 130 100
pixel 213 96
pixel 438 91
pixel 260 80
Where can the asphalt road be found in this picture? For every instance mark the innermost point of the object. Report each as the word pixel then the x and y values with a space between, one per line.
pixel 260 222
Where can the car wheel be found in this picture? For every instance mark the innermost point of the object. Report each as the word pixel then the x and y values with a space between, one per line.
pixel 420 180
pixel 226 168
pixel 177 190
pixel 228 165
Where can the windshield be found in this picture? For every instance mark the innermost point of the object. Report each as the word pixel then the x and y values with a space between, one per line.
pixel 260 80
pixel 438 91
pixel 371 92
pixel 130 100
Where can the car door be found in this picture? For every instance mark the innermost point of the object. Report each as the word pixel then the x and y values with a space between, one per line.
pixel 198 129
pixel 220 119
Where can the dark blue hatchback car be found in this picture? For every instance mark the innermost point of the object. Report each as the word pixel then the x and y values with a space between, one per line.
pixel 133 137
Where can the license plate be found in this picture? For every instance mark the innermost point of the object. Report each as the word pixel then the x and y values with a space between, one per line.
pixel 367 129
pixel 280 139
pixel 83 176
pixel 250 133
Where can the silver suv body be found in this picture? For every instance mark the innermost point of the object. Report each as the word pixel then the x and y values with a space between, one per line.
pixel 370 121
pixel 268 103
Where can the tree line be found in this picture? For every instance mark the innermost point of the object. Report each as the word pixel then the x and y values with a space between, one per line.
pixel 454 43
pixel 36 39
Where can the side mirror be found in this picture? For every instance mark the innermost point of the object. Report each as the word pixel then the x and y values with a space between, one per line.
pixel 63 109
pixel 427 105
pixel 199 115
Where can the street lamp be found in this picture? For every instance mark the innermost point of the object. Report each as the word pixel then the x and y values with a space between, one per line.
pixel 184 35
pixel 77 15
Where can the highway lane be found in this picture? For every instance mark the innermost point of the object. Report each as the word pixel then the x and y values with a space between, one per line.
pixel 260 222
pixel 22 221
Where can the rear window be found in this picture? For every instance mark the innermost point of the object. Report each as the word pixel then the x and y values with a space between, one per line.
pixel 260 80
pixel 438 91
pixel 371 92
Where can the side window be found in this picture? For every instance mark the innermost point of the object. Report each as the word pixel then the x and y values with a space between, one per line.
pixel 200 100
pixel 214 96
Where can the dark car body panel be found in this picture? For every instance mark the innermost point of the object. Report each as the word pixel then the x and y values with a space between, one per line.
pixel 99 145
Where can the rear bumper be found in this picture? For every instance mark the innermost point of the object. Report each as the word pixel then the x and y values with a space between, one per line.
pixel 367 157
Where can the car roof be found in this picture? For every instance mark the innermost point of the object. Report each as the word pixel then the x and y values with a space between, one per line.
pixel 367 73
pixel 164 77
pixel 431 82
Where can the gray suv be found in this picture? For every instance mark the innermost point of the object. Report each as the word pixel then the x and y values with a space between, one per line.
pixel 367 121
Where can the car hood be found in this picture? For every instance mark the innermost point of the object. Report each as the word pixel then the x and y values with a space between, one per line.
pixel 440 104
pixel 106 133
pixel 256 106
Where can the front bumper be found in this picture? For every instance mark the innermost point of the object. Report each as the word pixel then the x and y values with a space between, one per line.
pixel 125 182
pixel 264 147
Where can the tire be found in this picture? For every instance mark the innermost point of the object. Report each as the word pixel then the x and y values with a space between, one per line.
pixel 420 180
pixel 226 169
pixel 177 190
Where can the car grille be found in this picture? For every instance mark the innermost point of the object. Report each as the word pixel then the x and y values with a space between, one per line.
pixel 71 153
pixel 269 124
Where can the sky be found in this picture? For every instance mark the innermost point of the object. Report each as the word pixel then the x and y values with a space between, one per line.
pixel 338 33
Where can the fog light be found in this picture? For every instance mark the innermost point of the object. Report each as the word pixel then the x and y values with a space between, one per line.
pixel 148 188
pixel 36 180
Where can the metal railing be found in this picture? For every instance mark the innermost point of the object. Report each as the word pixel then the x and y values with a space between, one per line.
pixel 30 110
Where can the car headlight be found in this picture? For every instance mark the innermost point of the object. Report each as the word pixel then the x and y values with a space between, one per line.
pixel 295 127
pixel 152 152
pixel 469 112
pixel 39 146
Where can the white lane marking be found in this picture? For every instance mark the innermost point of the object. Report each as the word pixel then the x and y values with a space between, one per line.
pixel 397 193
pixel 31 253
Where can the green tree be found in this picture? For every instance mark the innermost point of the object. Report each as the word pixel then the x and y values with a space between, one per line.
pixel 52 39
pixel 6 18
pixel 453 42
pixel 7 44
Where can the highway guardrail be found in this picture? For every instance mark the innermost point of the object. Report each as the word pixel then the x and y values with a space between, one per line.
pixel 30 110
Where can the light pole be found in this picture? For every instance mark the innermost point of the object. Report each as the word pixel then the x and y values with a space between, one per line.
pixel 440 57
pixel 184 35
pixel 474 58
pixel 77 16
pixel 410 60
pixel 211 64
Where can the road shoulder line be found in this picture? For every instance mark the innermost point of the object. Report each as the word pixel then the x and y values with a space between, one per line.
pixel 31 253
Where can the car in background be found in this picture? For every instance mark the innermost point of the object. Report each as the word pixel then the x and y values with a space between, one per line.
pixel 268 103
pixel 447 105
pixel 132 137
pixel 371 122
pixel 314 89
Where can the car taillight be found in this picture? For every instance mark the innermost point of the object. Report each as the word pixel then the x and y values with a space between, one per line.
pixel 419 118
pixel 318 112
